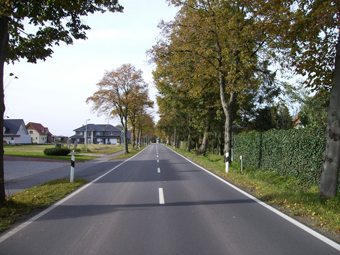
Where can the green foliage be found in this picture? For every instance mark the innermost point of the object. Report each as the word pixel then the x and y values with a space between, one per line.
pixel 57 151
pixel 314 112
pixel 54 21
pixel 295 152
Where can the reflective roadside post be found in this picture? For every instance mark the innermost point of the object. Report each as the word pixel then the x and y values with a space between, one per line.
pixel 72 168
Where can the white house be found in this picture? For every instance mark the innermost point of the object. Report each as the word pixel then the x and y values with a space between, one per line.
pixel 15 131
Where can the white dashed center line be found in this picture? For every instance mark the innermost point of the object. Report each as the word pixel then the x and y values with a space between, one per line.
pixel 161 196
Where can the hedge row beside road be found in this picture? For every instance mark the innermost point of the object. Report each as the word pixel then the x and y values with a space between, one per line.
pixel 296 152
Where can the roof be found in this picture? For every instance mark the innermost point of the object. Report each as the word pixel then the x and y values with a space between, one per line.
pixel 12 125
pixel 39 128
pixel 98 127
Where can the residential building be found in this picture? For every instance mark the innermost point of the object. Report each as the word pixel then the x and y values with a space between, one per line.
pixel 98 134
pixel 39 133
pixel 15 131
pixel 59 139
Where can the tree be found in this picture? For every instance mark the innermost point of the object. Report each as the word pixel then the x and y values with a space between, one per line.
pixel 306 34
pixel 139 102
pixel 55 21
pixel 222 41
pixel 314 111
pixel 117 93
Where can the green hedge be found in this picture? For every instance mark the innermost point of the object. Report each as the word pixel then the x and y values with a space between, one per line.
pixel 57 151
pixel 296 152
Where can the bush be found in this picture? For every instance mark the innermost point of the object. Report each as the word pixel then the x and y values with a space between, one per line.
pixel 57 151
pixel 295 152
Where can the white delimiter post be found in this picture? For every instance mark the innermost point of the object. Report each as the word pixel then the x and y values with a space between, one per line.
pixel 241 158
pixel 227 162
pixel 72 168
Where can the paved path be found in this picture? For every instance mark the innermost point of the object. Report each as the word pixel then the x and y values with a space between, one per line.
pixel 23 173
pixel 20 169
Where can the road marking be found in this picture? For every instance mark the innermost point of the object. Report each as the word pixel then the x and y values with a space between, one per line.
pixel 26 223
pixel 157 156
pixel 161 196
pixel 158 170
pixel 291 220
pixel 157 160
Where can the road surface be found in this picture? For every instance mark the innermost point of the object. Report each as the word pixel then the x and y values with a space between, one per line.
pixel 159 203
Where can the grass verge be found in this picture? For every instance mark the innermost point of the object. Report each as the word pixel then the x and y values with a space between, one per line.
pixel 132 152
pixel 286 193
pixel 22 203
pixel 37 151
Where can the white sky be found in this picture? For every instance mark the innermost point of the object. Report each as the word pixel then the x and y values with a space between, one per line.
pixel 53 92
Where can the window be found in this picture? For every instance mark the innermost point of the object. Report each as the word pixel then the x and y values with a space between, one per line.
pixel 97 133
pixel 12 138
pixel 111 133
pixel 31 132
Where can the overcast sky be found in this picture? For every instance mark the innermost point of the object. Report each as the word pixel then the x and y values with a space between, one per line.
pixel 53 92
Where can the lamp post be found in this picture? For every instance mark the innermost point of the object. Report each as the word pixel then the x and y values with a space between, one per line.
pixel 86 135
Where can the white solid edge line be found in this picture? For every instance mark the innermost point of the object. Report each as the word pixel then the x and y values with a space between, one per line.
pixel 36 217
pixel 161 196
pixel 286 217
pixel 158 170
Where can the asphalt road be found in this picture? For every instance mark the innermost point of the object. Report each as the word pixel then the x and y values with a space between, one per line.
pixel 159 203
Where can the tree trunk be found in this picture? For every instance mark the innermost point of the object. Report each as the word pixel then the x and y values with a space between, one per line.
pixel 227 106
pixel 228 128
pixel 330 175
pixel 228 112
pixel 189 141
pixel 3 51
pixel 134 136
pixel 140 138
pixel 126 146
pixel 175 139
pixel 205 140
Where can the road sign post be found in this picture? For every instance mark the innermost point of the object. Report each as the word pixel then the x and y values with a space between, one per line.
pixel 227 162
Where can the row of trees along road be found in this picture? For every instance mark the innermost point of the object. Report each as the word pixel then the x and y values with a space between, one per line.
pixel 212 66
pixel 55 21
pixel 122 92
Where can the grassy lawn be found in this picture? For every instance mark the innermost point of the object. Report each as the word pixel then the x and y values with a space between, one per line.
pixel 286 193
pixel 21 204
pixel 37 151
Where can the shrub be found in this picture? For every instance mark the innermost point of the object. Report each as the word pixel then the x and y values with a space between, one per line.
pixel 57 151
pixel 295 152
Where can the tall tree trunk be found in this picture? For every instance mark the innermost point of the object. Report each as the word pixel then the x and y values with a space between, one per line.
pixel 189 143
pixel 126 145
pixel 175 138
pixel 134 136
pixel 227 106
pixel 228 112
pixel 205 139
pixel 140 137
pixel 3 51
pixel 330 175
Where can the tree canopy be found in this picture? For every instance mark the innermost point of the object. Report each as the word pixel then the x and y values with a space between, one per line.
pixel 120 93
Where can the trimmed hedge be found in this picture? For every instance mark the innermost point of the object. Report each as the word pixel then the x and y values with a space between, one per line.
pixel 57 151
pixel 296 152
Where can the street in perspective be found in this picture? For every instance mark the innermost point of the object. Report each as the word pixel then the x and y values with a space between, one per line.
pixel 158 202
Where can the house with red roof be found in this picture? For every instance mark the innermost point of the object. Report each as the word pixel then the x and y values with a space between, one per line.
pixel 39 133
